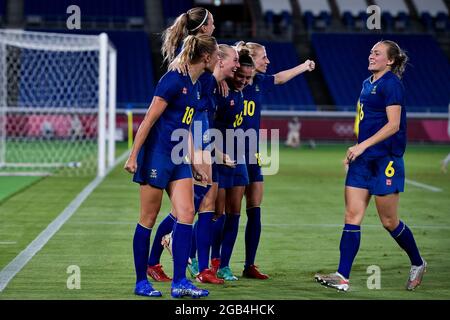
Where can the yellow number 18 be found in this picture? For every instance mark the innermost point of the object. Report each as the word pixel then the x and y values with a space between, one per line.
pixel 187 118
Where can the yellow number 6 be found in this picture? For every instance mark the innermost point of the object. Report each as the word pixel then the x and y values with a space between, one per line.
pixel 389 171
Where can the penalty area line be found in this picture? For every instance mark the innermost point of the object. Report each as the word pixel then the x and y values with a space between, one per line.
pixel 10 271
pixel 423 185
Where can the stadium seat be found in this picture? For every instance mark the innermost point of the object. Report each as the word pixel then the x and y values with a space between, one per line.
pixel 277 15
pixel 293 95
pixel 352 13
pixel 349 58
pixel 395 13
pixel 173 8
pixel 316 13
pixel 135 76
pixel 93 12
pixel 433 14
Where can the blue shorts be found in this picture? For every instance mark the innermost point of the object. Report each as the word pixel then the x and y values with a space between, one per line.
pixel 232 177
pixel 157 169
pixel 201 138
pixel 254 173
pixel 381 176
pixel 253 169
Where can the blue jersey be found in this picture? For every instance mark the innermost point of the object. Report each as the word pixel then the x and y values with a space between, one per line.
pixel 253 95
pixel 375 97
pixel 182 97
pixel 229 113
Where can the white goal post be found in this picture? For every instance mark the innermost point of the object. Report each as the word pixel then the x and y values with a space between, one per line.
pixel 56 91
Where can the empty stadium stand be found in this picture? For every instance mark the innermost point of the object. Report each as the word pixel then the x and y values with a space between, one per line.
pixel 294 94
pixel 316 13
pixel 353 13
pixel 395 14
pixel 2 11
pixel 277 15
pixel 99 12
pixel 345 67
pixel 434 14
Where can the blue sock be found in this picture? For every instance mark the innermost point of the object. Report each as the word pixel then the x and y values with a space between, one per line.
pixel 199 194
pixel 252 234
pixel 405 239
pixel 164 228
pixel 193 251
pixel 216 236
pixel 141 245
pixel 182 235
pixel 204 238
pixel 350 240
pixel 230 232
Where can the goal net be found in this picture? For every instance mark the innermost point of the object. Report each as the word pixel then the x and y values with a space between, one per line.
pixel 56 91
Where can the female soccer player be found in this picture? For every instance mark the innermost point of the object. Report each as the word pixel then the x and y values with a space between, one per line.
pixel 232 181
pixel 376 165
pixel 260 84
pixel 225 69
pixel 175 100
pixel 195 21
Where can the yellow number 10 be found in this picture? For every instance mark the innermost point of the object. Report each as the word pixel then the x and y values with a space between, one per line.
pixel 187 118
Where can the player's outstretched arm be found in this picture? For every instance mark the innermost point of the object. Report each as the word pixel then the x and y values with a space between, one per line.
pixel 155 110
pixel 286 75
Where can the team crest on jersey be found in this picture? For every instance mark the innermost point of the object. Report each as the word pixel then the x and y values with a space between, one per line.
pixel 388 182
pixel 153 173
pixel 232 103
pixel 374 90
pixel 184 90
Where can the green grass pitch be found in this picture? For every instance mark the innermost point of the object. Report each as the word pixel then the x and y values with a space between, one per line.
pixel 302 217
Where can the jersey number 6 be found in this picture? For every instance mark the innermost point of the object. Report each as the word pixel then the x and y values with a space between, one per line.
pixel 389 171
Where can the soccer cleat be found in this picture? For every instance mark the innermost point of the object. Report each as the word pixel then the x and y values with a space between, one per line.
pixel 186 288
pixel 333 280
pixel 415 276
pixel 157 273
pixel 144 288
pixel 193 267
pixel 215 264
pixel 226 274
pixel 206 276
pixel 253 272
pixel 166 242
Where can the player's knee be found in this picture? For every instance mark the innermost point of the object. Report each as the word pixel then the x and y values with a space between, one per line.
pixel 353 216
pixel 389 223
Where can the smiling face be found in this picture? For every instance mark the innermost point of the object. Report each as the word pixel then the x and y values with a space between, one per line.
pixel 242 77
pixel 230 63
pixel 261 60
pixel 378 58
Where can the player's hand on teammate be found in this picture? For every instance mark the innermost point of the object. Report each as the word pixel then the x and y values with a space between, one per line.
pixel 309 65
pixel 130 165
pixel 228 162
pixel 354 152
pixel 199 175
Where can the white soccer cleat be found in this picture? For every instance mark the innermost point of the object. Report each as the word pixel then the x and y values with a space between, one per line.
pixel 333 280
pixel 415 276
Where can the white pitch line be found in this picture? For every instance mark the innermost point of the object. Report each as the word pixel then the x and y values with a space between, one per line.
pixel 22 258
pixel 423 185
